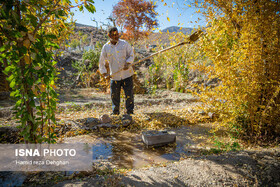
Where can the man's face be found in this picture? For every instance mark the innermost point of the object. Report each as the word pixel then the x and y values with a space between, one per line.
pixel 114 36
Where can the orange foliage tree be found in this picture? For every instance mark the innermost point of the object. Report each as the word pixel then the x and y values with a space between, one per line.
pixel 137 17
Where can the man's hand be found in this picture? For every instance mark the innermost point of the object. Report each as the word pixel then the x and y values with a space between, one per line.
pixel 106 75
pixel 126 66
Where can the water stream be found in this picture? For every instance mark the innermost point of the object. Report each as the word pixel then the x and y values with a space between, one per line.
pixel 126 150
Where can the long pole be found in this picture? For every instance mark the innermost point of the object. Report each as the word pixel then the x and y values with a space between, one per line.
pixel 191 39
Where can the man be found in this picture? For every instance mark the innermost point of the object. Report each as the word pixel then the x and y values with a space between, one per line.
pixel 119 54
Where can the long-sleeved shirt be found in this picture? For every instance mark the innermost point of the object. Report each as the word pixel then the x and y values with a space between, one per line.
pixel 116 56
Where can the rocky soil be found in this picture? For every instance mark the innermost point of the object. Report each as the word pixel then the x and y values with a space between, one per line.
pixel 253 166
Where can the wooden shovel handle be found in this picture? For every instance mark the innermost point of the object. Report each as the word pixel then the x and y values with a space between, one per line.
pixel 191 39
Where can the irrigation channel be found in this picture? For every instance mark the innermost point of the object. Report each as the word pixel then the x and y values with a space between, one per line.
pixel 126 149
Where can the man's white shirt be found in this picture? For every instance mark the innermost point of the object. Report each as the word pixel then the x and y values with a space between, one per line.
pixel 116 56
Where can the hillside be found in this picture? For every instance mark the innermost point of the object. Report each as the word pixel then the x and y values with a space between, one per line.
pixel 82 25
pixel 176 29
pixel 153 39
pixel 156 39
pixel 91 33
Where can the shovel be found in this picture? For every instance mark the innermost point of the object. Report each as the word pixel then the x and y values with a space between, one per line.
pixel 191 39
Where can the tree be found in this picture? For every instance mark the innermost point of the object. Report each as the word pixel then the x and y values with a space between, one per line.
pixel 30 33
pixel 242 43
pixel 137 17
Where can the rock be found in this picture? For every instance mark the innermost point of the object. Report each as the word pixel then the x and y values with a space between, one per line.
pixel 126 120
pixel 91 122
pixel 68 125
pixel 73 124
pixel 105 118
pixel 105 125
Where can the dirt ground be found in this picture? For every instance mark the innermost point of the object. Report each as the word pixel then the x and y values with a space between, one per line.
pixel 250 166
pixel 243 168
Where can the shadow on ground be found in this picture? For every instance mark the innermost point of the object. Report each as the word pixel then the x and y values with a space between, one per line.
pixel 167 118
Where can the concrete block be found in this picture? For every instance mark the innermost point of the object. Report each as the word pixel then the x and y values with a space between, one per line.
pixel 158 138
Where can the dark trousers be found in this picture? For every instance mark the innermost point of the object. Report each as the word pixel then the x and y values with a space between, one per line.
pixel 127 85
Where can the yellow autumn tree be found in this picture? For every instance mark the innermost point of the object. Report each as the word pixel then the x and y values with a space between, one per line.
pixel 242 43
pixel 171 69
